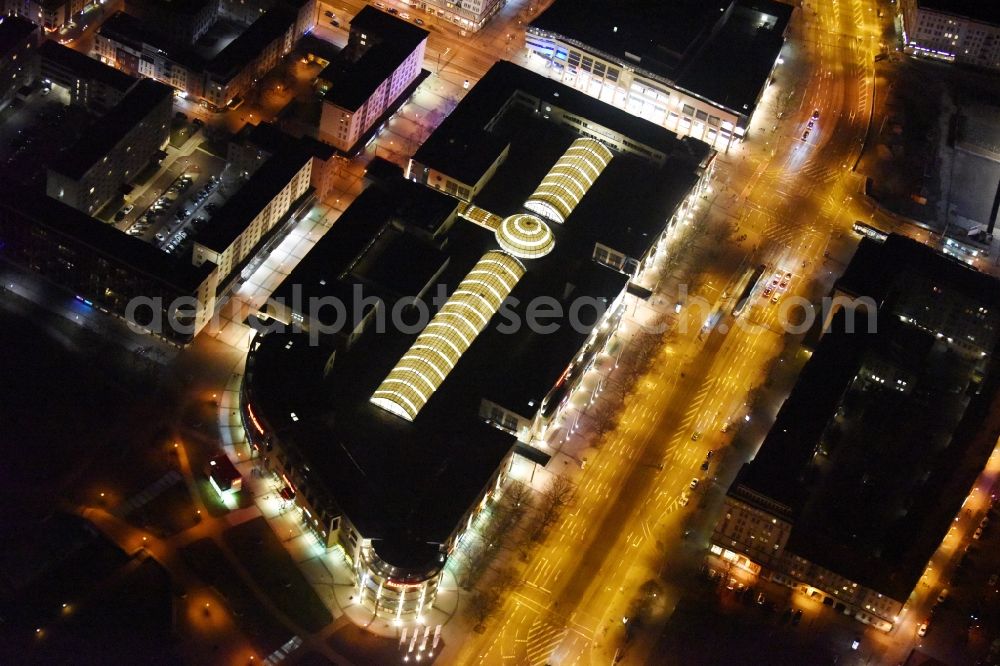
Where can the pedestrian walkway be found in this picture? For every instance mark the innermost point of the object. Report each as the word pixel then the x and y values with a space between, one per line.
pixel 148 494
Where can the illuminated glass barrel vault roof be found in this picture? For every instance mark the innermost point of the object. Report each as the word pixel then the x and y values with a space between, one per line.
pixel 569 179
pixel 525 236
pixel 438 348
pixel 468 311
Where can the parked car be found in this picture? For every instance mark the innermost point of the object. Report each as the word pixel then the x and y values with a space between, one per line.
pixel 943 596
pixel 693 484
pixel 922 629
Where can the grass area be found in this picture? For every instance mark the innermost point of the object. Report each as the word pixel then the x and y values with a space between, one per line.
pixel 266 559
pixel 215 146
pixel 170 512
pixel 180 131
pixel 212 566
pixel 67 446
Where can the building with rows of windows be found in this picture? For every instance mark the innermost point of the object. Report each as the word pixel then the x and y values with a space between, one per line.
pixel 217 74
pixel 697 68
pixel 109 156
pixel 871 458
pixel 469 15
pixel 965 31
pixel 381 62
pixel 390 388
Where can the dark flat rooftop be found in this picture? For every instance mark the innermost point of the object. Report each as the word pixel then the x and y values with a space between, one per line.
pixel 406 484
pixel 661 33
pixel 174 6
pixel 138 255
pixel 462 147
pixel 107 131
pixel 734 65
pixel 13 31
pixel 84 66
pixel 130 30
pixel 872 475
pixel 343 248
pixel 352 81
pixel 272 139
pixel 236 214
pixel 271 24
pixel 714 49
pixel 388 27
pixel 979 10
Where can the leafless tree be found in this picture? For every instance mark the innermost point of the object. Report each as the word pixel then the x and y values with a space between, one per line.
pixel 483 604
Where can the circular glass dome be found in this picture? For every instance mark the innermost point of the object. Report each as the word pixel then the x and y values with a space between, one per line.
pixel 525 236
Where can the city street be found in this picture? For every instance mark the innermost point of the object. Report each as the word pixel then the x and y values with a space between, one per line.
pixel 658 407
pixel 793 199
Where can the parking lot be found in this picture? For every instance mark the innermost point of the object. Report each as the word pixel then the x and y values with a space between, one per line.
pixel 176 204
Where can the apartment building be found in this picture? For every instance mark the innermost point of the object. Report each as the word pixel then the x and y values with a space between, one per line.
pixel 383 58
pixel 92 172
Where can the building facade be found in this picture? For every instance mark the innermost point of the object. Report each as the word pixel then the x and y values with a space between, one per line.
pixel 51 15
pixel 382 59
pixel 470 15
pixel 870 461
pixel 106 269
pixel 128 44
pixel 92 172
pixel 273 192
pixel 694 91
pixel 403 490
pixel 18 41
pixel 90 83
pixel 952 30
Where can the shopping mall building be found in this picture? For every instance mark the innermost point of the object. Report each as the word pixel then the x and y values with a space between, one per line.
pixel 392 421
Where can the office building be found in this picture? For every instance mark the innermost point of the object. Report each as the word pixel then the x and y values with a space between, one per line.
pixel 392 337
pixel 18 41
pixel 965 31
pixel 89 82
pixel 874 452
pixel 697 68
pixel 110 154
pixel 381 62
